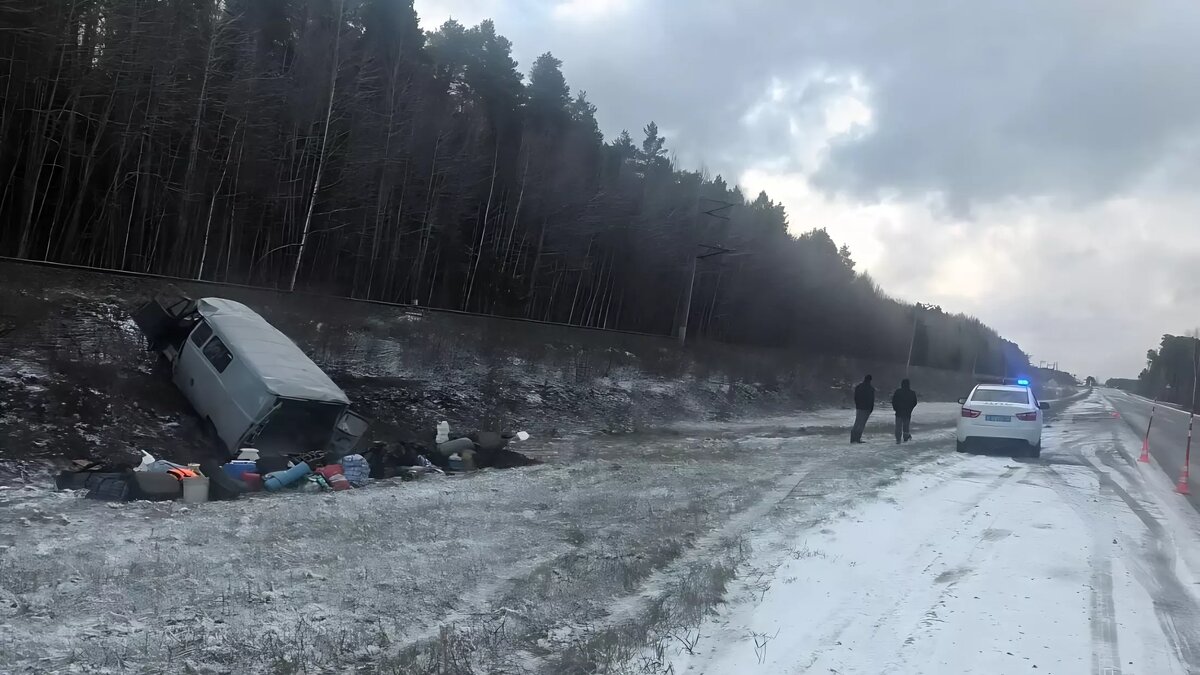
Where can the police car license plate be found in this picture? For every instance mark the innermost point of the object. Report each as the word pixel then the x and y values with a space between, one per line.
pixel 999 418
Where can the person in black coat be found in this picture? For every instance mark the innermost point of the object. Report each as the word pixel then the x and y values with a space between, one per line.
pixel 864 405
pixel 904 401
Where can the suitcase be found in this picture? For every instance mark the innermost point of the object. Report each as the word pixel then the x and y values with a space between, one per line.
pixel 271 464
pixel 109 487
pixel 154 487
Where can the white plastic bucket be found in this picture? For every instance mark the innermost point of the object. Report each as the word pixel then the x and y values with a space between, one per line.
pixel 195 490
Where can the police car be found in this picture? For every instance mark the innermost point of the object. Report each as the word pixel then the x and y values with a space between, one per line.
pixel 1000 415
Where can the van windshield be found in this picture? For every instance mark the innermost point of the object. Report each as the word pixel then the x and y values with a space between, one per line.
pixel 298 426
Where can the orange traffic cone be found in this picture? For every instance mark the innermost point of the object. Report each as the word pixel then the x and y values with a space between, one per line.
pixel 1145 450
pixel 1182 487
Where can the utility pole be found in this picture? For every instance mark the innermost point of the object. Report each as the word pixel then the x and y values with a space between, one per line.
pixel 687 300
pixel 718 209
pixel 912 342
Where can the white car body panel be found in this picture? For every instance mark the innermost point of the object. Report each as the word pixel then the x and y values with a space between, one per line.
pixel 997 428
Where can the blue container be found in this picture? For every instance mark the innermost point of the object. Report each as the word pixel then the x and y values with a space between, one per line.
pixel 237 467
pixel 277 480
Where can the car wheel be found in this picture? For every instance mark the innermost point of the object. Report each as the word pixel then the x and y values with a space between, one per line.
pixel 960 446
pixel 1035 451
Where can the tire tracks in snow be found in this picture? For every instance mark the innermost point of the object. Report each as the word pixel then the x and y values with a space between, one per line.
pixel 950 578
pixel 1154 568
pixel 887 624
pixel 1176 608
pixel 1103 628
pixel 1106 655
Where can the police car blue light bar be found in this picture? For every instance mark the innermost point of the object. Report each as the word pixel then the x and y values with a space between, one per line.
pixel 1023 382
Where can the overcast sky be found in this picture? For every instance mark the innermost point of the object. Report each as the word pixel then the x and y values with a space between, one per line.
pixel 1031 163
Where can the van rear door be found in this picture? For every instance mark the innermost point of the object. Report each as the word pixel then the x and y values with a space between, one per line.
pixel 348 432
pixel 166 321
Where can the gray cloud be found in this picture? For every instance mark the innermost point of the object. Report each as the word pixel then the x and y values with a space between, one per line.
pixel 1077 119
pixel 978 101
pixel 1074 99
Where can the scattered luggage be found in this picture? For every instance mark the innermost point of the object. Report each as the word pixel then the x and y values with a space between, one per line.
pixel 278 480
pixel 221 485
pixel 335 477
pixel 109 487
pixel 143 477
pixel 356 470
pixel 195 490
pixel 238 467
pixel 84 476
pixel 271 464
pixel 154 486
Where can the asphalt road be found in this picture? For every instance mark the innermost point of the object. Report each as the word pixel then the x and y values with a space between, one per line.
pixel 1168 435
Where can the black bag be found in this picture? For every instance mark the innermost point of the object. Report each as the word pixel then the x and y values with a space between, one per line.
pixel 221 485
pixel 108 487
pixel 489 441
pixel 155 486
pixel 271 464
pixel 75 480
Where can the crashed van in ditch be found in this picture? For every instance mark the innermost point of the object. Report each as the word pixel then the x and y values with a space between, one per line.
pixel 251 384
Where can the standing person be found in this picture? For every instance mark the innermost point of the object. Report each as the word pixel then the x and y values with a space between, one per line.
pixel 864 405
pixel 904 401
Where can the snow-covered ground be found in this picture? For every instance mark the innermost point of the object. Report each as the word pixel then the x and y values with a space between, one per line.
pixel 762 547
pixel 1082 562
pixel 573 566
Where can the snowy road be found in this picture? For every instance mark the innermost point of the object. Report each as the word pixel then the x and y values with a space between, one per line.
pixel 1082 562
pixel 1168 434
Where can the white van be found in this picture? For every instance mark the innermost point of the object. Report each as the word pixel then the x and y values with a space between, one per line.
pixel 251 384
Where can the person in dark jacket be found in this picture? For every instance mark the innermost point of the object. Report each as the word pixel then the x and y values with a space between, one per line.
pixel 864 405
pixel 904 401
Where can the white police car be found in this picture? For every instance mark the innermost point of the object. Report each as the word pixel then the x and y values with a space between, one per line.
pixel 998 415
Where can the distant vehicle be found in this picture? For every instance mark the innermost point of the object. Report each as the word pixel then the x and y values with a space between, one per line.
pixel 251 384
pixel 999 414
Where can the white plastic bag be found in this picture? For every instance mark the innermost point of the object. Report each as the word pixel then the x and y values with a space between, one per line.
pixel 147 460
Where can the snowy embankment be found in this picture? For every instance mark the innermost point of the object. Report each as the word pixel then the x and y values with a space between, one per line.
pixel 1081 562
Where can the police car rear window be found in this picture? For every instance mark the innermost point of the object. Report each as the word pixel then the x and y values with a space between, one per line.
pixel 1000 396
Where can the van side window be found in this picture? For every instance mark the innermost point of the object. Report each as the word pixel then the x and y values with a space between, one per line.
pixel 202 332
pixel 217 354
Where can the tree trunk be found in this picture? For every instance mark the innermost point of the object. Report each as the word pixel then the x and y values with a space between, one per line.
pixel 516 216
pixel 537 260
pixel 316 189
pixel 181 238
pixel 423 247
pixel 212 206
pixel 482 230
